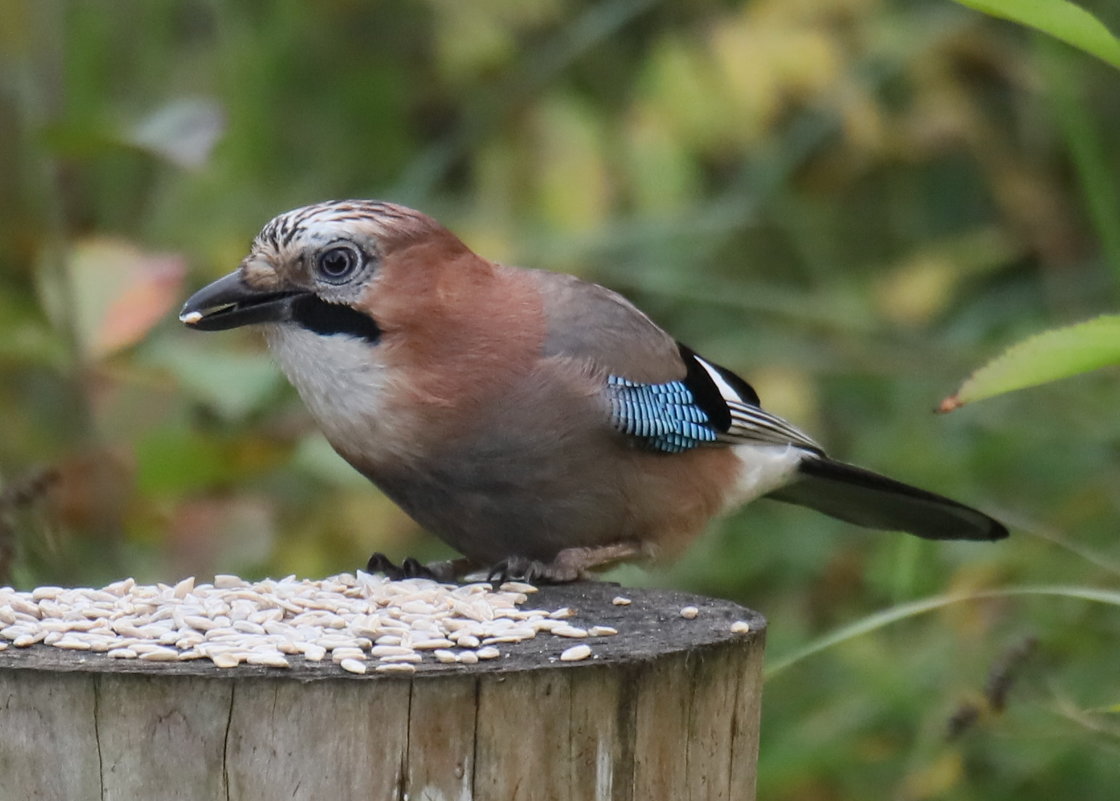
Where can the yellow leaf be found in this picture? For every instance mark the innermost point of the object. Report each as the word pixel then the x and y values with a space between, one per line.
pixel 118 293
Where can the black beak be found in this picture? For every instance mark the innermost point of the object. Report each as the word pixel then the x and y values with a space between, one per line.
pixel 229 303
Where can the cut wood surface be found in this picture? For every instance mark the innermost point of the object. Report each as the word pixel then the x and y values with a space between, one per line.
pixel 666 709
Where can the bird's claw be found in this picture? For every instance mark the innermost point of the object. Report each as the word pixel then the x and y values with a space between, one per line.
pixel 516 568
pixel 409 568
pixel 569 564
pixel 448 571
pixel 532 571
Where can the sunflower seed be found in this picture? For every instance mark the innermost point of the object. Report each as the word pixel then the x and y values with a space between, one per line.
pixel 352 665
pixel 267 659
pixel 232 621
pixel 576 653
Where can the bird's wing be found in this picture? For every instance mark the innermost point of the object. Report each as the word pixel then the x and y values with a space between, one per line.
pixel 590 322
pixel 709 405
pixel 661 393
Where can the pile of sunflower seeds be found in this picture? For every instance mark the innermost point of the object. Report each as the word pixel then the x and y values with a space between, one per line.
pixel 358 621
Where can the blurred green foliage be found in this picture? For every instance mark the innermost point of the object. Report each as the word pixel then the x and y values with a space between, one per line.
pixel 850 202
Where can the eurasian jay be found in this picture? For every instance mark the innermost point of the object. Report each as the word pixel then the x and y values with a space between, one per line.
pixel 539 424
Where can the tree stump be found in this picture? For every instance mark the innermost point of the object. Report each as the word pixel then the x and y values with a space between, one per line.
pixel 666 709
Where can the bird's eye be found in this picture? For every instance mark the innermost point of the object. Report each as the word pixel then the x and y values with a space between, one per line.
pixel 338 264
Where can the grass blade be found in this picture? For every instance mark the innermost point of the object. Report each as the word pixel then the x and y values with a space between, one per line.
pixel 887 616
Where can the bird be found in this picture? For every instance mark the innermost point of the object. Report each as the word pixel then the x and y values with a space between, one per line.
pixel 541 425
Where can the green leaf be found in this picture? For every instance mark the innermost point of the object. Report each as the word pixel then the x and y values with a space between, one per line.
pixel 1054 354
pixel 1059 18
pixel 117 293
pixel 233 384
pixel 173 461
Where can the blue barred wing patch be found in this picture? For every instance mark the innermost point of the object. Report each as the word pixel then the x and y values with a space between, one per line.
pixel 664 417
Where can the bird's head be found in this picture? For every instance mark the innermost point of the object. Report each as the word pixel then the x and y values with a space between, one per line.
pixel 381 318
pixel 314 267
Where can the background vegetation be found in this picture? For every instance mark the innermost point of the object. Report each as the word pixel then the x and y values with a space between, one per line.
pixel 850 202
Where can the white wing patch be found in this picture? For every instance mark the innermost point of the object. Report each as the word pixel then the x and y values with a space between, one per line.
pixel 725 389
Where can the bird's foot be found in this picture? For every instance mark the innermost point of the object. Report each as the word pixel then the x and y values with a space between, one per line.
pixel 522 568
pixel 444 571
pixel 570 564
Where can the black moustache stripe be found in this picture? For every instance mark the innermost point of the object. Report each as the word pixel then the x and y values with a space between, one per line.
pixel 328 319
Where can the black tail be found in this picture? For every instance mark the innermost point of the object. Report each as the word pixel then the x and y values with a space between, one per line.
pixel 868 499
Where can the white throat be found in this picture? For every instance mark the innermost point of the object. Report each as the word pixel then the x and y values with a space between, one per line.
pixel 340 379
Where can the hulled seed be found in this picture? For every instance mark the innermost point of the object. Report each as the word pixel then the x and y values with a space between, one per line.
pixel 602 631
pixel 353 665
pixel 576 653
pixel 233 621
pixel 267 659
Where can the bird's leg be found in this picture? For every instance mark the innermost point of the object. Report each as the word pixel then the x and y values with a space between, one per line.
pixel 570 564
pixel 444 571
